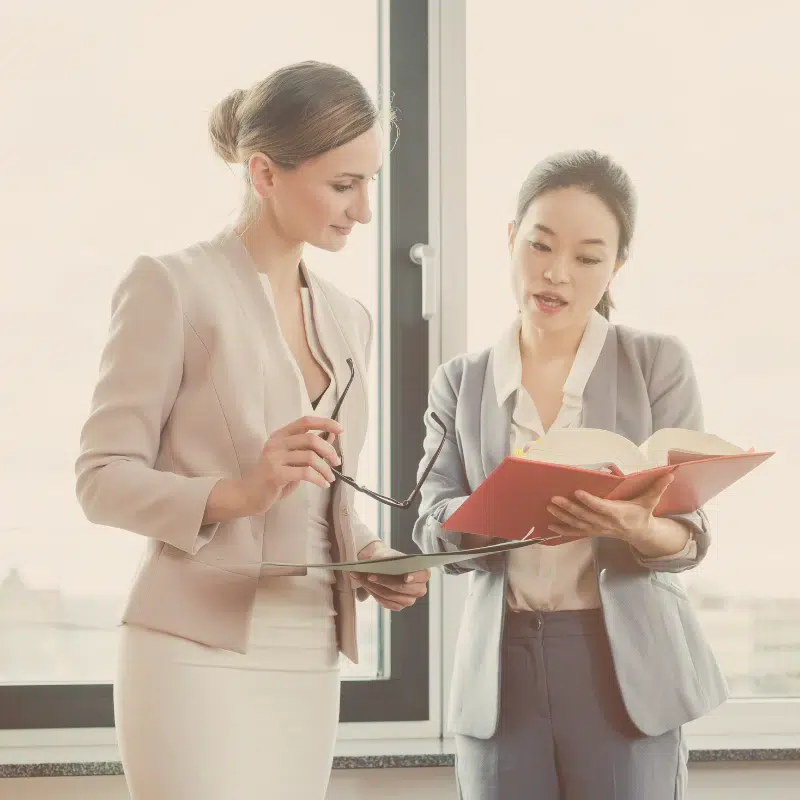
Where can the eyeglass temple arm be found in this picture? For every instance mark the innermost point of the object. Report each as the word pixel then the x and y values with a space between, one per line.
pixel 338 407
pixel 431 462
pixel 428 468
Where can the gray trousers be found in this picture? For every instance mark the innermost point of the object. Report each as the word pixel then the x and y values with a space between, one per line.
pixel 563 732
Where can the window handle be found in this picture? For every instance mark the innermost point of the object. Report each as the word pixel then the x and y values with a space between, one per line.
pixel 425 255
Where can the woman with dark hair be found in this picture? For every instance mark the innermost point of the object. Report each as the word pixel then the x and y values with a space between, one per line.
pixel 576 664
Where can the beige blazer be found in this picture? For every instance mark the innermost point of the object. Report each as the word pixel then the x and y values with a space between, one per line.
pixel 194 377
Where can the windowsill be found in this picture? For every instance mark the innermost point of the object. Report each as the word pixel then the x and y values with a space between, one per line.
pixel 403 753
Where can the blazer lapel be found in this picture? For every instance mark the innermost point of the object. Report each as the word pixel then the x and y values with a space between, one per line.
pixel 331 338
pixel 258 309
pixel 249 291
pixel 335 347
pixel 495 423
pixel 600 393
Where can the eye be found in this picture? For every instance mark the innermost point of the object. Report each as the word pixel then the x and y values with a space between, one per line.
pixel 340 187
pixel 540 246
pixel 590 262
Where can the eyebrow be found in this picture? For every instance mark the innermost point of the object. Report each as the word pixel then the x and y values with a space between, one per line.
pixel 545 229
pixel 359 176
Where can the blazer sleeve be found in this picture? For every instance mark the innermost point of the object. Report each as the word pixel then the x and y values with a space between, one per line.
pixel 675 403
pixel 446 487
pixel 140 373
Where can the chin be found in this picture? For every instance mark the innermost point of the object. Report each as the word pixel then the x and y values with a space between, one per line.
pixel 549 322
pixel 332 243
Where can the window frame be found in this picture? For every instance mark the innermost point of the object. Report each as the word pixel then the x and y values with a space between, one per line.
pixel 405 695
pixel 740 723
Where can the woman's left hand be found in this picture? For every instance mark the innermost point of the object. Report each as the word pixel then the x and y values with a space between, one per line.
pixel 632 521
pixel 394 592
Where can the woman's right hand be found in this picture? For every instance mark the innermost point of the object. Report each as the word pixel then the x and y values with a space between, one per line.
pixel 292 454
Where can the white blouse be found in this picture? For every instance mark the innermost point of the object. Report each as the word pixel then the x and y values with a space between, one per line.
pixel 563 577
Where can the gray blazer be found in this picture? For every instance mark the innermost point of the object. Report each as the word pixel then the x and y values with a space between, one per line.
pixel 667 673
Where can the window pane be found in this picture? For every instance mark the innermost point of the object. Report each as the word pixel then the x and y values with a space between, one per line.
pixel 106 156
pixel 694 100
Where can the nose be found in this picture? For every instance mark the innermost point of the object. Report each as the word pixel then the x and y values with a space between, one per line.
pixel 557 270
pixel 360 211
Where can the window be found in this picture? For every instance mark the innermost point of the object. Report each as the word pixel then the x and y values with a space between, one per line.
pixel 106 156
pixel 702 123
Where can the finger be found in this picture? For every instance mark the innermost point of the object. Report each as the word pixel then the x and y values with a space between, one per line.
pixel 309 423
pixel 581 512
pixel 567 519
pixel 308 474
pixel 310 441
pixel 399 581
pixel 396 602
pixel 400 590
pixel 653 494
pixel 393 590
pixel 360 580
pixel 566 530
pixel 386 603
pixel 420 576
pixel 389 581
pixel 389 599
pixel 596 504
pixel 305 458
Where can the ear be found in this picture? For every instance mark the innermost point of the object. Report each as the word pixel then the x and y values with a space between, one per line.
pixel 512 235
pixel 262 171
pixel 621 262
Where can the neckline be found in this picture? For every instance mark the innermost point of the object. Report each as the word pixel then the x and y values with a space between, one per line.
pixel 238 250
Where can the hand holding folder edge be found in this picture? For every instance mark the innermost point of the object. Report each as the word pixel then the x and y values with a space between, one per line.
pixel 512 502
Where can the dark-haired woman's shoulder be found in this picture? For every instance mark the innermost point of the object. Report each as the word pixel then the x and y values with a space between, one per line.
pixel 650 346
pixel 466 371
pixel 666 366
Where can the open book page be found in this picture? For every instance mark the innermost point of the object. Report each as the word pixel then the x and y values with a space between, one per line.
pixel 681 441
pixel 589 448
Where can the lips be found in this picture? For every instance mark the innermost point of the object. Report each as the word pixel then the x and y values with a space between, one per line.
pixel 342 229
pixel 550 299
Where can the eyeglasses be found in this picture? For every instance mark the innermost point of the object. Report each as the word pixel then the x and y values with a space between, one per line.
pixel 379 497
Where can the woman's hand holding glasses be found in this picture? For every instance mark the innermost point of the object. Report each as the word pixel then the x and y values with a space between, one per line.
pixel 292 454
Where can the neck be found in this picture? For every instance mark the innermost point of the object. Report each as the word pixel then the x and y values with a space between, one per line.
pixel 544 345
pixel 272 254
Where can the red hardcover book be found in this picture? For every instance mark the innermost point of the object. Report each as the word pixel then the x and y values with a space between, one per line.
pixel 512 502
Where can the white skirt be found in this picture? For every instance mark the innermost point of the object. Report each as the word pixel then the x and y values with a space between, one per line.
pixel 201 723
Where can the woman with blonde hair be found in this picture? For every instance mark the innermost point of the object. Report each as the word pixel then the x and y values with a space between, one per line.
pixel 220 431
